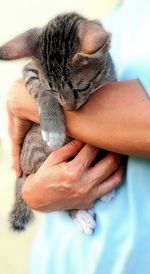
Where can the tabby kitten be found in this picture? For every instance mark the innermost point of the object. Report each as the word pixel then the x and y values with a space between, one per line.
pixel 70 59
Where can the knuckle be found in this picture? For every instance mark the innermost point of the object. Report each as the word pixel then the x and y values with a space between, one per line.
pixel 28 198
pixel 119 175
pixel 117 180
pixel 95 194
pixel 25 196
pixel 114 160
pixel 71 173
pixel 75 143
pixel 81 191
pixel 80 167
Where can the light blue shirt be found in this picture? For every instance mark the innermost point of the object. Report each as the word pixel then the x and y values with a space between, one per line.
pixel 121 241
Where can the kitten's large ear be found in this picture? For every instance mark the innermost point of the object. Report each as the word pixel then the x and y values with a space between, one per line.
pixel 94 42
pixel 24 45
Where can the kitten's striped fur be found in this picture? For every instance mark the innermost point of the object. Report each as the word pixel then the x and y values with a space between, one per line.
pixel 70 60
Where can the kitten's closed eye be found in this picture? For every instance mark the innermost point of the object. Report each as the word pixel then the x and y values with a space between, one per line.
pixel 84 88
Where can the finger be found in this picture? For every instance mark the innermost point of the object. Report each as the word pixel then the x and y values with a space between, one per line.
pixel 111 183
pixel 85 157
pixel 105 167
pixel 16 159
pixel 64 153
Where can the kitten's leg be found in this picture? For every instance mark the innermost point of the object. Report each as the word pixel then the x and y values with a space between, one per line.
pixel 21 215
pixel 85 219
pixel 52 121
pixel 51 114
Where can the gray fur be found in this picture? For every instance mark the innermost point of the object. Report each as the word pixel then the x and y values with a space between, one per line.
pixel 21 215
pixel 70 59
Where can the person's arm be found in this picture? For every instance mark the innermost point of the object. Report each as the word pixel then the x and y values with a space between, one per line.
pixel 116 118
pixel 59 184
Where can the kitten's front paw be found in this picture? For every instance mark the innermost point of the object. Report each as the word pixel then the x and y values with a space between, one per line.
pixel 54 139
pixel 85 219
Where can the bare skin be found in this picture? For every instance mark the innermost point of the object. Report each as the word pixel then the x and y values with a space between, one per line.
pixel 117 118
pixel 61 185
pixel 112 119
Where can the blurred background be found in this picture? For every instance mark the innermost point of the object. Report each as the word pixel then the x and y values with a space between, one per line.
pixel 15 17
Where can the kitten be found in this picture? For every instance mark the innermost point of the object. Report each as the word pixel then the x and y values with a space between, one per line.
pixel 70 59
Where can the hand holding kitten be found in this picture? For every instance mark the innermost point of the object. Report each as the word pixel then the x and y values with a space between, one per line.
pixel 20 111
pixel 67 65
pixel 62 185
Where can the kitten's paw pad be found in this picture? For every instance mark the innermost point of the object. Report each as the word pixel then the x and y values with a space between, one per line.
pixel 19 223
pixel 53 139
pixel 85 219
pixel 108 197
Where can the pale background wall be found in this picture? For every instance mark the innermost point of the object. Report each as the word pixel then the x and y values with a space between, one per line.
pixel 15 17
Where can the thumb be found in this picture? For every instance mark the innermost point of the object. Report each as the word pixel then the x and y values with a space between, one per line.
pixel 64 153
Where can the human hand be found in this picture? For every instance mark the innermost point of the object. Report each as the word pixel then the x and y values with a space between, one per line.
pixel 21 111
pixel 61 185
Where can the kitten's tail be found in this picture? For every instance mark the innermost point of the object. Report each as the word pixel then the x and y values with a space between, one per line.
pixel 21 215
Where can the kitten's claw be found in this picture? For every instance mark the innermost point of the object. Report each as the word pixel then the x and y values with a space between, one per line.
pixel 108 197
pixel 85 219
pixel 53 139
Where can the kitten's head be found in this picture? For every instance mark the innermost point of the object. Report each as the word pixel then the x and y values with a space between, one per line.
pixel 72 51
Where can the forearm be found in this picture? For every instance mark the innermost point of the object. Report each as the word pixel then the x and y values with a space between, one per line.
pixel 21 104
pixel 117 118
